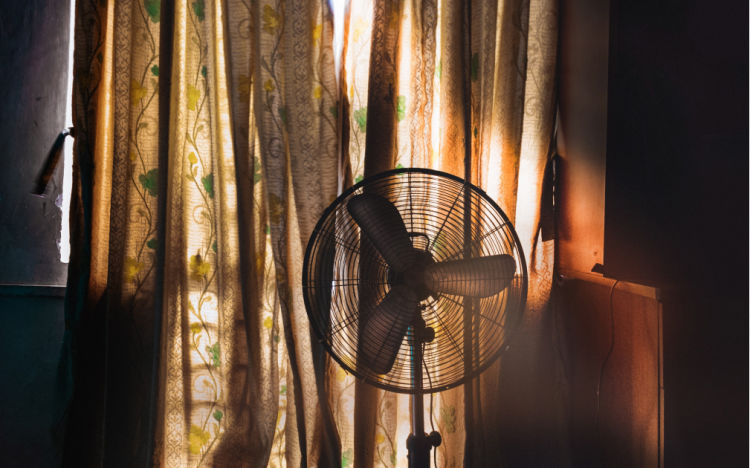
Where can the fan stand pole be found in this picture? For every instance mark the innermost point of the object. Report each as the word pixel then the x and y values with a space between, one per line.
pixel 418 443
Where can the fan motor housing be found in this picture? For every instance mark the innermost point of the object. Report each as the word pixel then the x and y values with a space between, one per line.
pixel 413 278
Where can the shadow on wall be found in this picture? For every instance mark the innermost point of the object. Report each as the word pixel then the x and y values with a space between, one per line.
pixel 31 333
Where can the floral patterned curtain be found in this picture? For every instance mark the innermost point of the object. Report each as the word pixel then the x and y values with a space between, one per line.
pixel 264 132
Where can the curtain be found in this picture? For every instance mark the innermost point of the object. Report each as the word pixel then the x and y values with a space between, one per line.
pixel 263 131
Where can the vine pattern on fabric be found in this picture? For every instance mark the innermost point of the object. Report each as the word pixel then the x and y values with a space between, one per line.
pixel 206 427
pixel 143 171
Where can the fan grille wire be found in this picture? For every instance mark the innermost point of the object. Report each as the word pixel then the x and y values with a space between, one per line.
pixel 345 278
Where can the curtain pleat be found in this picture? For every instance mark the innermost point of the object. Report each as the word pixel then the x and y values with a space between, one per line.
pixel 255 401
pixel 293 94
pixel 82 365
pixel 264 132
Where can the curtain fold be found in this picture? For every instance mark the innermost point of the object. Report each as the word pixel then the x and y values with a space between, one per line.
pixel 264 132
pixel 294 91
pixel 82 366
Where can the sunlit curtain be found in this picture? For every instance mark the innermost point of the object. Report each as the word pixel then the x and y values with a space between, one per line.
pixel 264 132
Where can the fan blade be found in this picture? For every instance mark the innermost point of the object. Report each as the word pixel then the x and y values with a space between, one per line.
pixel 384 330
pixel 380 221
pixel 475 277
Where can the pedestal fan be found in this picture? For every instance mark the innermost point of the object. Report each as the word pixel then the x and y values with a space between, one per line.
pixel 413 271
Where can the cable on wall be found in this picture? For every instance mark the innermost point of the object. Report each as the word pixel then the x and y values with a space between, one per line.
pixel 607 357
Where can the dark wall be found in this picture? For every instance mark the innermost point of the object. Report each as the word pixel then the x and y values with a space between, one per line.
pixel 31 332
pixel 677 207
pixel 34 57
pixel 675 165
pixel 677 138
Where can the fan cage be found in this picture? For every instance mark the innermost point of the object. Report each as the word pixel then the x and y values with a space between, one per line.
pixel 344 278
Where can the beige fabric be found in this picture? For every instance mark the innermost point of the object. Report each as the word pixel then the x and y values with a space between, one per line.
pixel 262 138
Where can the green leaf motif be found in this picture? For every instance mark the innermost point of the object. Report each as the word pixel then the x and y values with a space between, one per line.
pixel 213 352
pixel 199 7
pixel 475 66
pixel 208 184
pixel 214 247
pixel 346 457
pixel 283 390
pixel 439 69
pixel 283 114
pixel 334 111
pixel 153 9
pixel 155 70
pixel 152 243
pixel 204 71
pixel 358 179
pixel 218 415
pixel 399 166
pixel 360 116
pixel 149 181
pixel 401 108
pixel 257 174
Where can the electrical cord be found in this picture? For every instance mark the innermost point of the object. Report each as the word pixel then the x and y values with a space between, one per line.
pixel 606 358
pixel 432 414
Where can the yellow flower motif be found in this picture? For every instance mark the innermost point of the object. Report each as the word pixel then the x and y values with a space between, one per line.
pixel 268 85
pixel 244 87
pixel 268 323
pixel 379 438
pixel 195 327
pixel 132 156
pixel 359 27
pixel 271 19
pixel 316 33
pixel 132 268
pixel 318 92
pixel 198 267
pixel 192 96
pixel 137 92
pixel 340 374
pixel 275 208
pixel 197 439
pixel 192 158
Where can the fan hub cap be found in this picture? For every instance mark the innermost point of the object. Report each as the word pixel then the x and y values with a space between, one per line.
pixel 413 277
